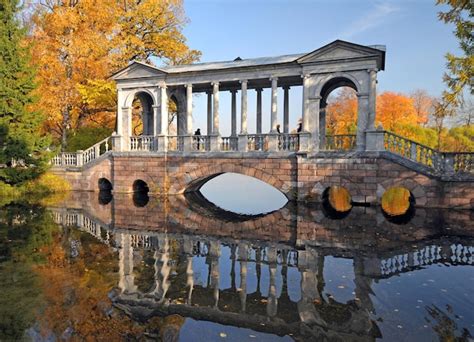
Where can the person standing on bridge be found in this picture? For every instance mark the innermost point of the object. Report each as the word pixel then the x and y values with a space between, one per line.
pixel 197 134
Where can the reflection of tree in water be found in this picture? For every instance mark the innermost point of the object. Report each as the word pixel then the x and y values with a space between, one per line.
pixel 445 325
pixel 24 230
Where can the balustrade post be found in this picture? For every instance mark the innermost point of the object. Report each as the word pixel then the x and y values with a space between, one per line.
pixel 80 158
pixel 273 142
pixel 63 159
pixel 375 140
pixel 303 141
pixel 448 163
pixel 96 151
pixel 243 143
pixel 413 151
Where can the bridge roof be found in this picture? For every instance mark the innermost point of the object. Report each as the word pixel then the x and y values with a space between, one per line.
pixel 322 54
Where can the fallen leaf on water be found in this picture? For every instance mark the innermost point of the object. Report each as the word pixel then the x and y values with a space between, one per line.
pixel 223 335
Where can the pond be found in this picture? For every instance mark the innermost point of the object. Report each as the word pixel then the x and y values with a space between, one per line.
pixel 233 262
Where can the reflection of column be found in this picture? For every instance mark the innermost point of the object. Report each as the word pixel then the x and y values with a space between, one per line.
pixel 233 121
pixel 272 302
pixel 308 262
pixel 363 283
pixel 243 256
pixel 127 279
pixel 209 113
pixel 259 110
pixel 214 254
pixel 286 109
pixel 188 250
pixel 258 266
pixel 274 108
pixel 233 249
pixel 162 269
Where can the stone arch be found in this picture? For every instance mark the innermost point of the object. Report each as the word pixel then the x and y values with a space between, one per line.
pixel 417 190
pixel 195 179
pixel 178 96
pixel 336 80
pixel 135 92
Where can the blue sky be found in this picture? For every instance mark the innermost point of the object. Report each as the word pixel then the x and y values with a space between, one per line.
pixel 416 40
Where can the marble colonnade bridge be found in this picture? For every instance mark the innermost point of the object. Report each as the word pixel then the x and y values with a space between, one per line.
pixel 302 165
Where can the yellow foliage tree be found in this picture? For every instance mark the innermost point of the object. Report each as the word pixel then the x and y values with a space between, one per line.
pixel 78 44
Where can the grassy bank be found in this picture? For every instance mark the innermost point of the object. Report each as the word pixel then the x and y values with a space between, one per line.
pixel 47 189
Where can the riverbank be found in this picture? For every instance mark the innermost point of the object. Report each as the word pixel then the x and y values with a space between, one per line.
pixel 46 189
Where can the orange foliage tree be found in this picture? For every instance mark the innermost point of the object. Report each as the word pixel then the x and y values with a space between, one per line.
pixel 395 109
pixel 78 44
pixel 341 112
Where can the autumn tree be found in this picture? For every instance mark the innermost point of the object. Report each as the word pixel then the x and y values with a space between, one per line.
pixel 341 112
pixel 22 148
pixel 78 44
pixel 395 108
pixel 423 104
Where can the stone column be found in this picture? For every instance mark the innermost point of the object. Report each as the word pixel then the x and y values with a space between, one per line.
pixel 156 114
pixel 243 142
pixel 209 113
pixel 322 128
pixel 215 137
pixel 259 110
pixel 372 98
pixel 187 140
pixel 162 122
pixel 362 119
pixel 305 117
pixel 286 110
pixel 215 95
pixel 274 105
pixel 313 105
pixel 233 129
pixel 189 109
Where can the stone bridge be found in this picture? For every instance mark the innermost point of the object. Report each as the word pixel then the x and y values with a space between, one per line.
pixel 297 238
pixel 169 159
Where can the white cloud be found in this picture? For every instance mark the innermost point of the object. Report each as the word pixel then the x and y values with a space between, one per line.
pixel 371 20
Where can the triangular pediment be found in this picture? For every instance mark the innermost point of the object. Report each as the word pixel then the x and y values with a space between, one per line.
pixel 137 70
pixel 340 50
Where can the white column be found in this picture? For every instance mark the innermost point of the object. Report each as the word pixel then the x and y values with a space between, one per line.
pixel 305 103
pixel 215 95
pixel 234 113
pixel 372 98
pixel 156 114
pixel 163 126
pixel 189 109
pixel 322 128
pixel 120 100
pixel 286 110
pixel 362 119
pixel 209 113
pixel 274 107
pixel 259 110
pixel 243 108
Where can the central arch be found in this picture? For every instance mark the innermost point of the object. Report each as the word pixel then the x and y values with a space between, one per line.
pixel 195 179
pixel 141 105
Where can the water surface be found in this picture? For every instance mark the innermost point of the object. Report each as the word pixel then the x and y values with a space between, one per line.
pixel 187 268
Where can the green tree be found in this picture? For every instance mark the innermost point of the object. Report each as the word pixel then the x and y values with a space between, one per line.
pixel 23 152
pixel 460 69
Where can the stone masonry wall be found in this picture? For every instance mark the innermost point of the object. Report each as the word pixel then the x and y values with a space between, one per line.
pixel 298 177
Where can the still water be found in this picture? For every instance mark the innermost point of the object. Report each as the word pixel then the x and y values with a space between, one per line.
pixel 232 263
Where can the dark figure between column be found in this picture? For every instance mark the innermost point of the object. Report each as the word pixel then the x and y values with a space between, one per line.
pixel 197 134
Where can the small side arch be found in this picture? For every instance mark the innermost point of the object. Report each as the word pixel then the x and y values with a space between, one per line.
pixel 137 93
pixel 104 184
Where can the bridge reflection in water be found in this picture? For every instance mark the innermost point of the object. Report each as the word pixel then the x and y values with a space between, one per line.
pixel 185 256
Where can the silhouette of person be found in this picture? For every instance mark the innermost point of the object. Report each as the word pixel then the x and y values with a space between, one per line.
pixel 299 129
pixel 197 134
pixel 278 128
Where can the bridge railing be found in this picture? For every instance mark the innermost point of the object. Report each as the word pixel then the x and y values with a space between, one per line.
pixel 201 143
pixel 257 142
pixel 340 142
pixel 289 142
pixel 230 143
pixel 439 162
pixel 176 143
pixel 81 158
pixel 142 143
